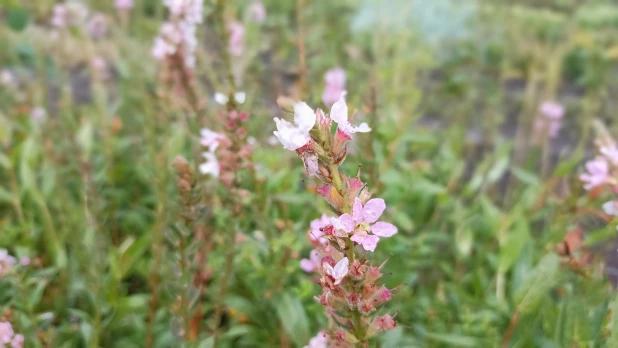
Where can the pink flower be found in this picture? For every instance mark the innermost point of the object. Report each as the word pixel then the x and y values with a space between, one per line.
pixel 611 153
pixel 123 4
pixel 598 171
pixel 339 114
pixel 363 216
pixel 335 86
pixel 24 261
pixel 210 138
pixel 257 11
pixel 319 341
pixel 312 263
pixel 211 166
pixel 339 271
pixel 236 44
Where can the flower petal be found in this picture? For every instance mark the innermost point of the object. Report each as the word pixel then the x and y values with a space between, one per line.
pixel 383 229
pixel 339 112
pixel 304 117
pixel 347 222
pixel 357 210
pixel 373 209
pixel 307 266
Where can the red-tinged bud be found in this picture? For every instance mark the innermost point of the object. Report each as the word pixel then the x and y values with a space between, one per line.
pixel 366 307
pixel 233 115
pixel 241 132
pixel 385 323
pixel 243 116
pixel 328 230
pixel 357 270
pixel 382 296
pixel 231 124
pixel 286 104
pixel 374 273
pixel 353 301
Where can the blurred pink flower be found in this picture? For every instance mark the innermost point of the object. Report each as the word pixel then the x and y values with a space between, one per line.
pixel 8 336
pixel 611 208
pixel 335 86
pixel 123 4
pixel 309 265
pixel 97 26
pixel 18 341
pixel 550 119
pixel 236 45
pixel 257 11
pixel 598 171
pixel 6 262
pixel 71 13
pixel 179 33
pixel 316 229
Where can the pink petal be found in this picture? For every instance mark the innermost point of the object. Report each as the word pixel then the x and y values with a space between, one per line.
pixel 347 222
pixel 373 210
pixel 307 266
pixel 370 243
pixel 357 210
pixel 339 111
pixel 383 229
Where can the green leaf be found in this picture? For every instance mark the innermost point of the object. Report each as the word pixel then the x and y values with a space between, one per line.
pixel 543 278
pixel 17 18
pixel 513 244
pixel 294 319
pixel 613 340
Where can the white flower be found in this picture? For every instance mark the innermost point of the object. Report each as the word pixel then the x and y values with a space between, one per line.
pixel 210 139
pixel 611 208
pixel 222 99
pixel 295 136
pixel 211 166
pixel 319 341
pixel 339 114
pixel 339 271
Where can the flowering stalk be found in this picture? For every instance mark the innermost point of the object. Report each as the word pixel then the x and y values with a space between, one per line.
pixel 351 292
pixel 602 171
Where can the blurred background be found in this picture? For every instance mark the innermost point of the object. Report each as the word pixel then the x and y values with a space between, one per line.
pixel 483 114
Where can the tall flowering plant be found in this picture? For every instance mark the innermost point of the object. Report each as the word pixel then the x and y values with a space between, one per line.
pixel 351 291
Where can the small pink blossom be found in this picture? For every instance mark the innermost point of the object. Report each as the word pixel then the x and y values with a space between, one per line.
pixel 236 44
pixel 552 110
pixel 17 341
pixel 335 86
pixel 6 333
pixel 211 166
pixel 24 261
pixel 598 171
pixel 316 226
pixel 257 11
pixel 97 26
pixel 339 114
pixel 210 138
pixel 319 341
pixel 362 216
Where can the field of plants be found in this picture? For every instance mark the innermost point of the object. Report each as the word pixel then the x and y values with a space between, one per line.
pixel 311 174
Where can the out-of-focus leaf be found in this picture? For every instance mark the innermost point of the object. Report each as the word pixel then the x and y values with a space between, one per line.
pixel 454 340
pixel 525 176
pixel 17 18
pixel 293 318
pixel 511 247
pixel 613 341
pixel 85 139
pixel 536 287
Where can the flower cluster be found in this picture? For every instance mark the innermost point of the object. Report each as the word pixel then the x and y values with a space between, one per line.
pixel 233 151
pixel 335 86
pixel 602 172
pixel 351 292
pixel 8 338
pixel 178 35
